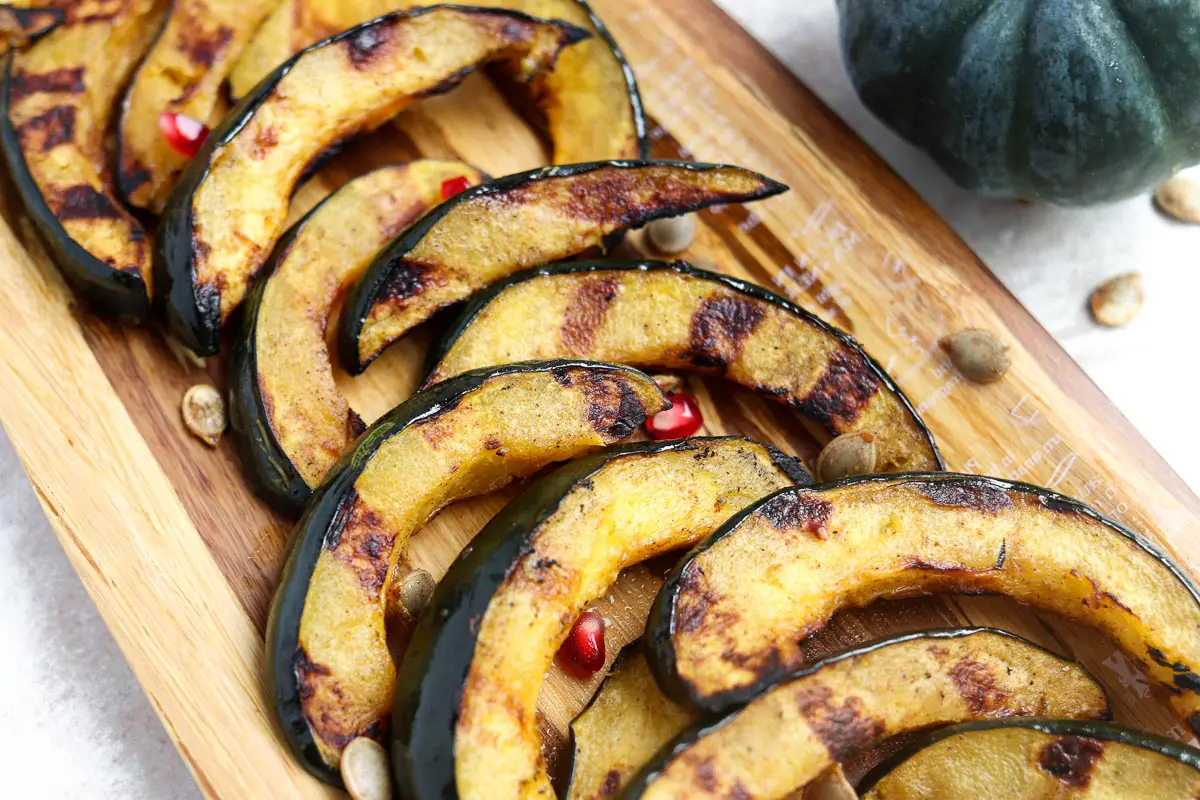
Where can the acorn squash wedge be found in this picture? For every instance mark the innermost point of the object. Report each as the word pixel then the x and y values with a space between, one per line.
pixel 21 27
pixel 673 316
pixel 331 674
pixel 466 700
pixel 801 726
pixel 520 221
pixel 716 637
pixel 183 73
pixel 1032 759
pixel 55 107
pixel 228 210
pixel 591 103
pixel 289 420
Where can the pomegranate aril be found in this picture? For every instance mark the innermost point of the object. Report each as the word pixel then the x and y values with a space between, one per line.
pixel 185 134
pixel 679 421
pixel 452 186
pixel 582 654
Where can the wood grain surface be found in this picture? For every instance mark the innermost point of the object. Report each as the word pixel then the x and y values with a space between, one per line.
pixel 181 559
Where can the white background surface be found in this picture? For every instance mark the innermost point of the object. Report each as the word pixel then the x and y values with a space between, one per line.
pixel 73 722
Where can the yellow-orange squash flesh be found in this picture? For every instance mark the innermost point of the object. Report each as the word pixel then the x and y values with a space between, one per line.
pixel 19 25
pixel 522 221
pixel 618 510
pixel 718 634
pixel 331 669
pixel 790 735
pixel 61 94
pixel 592 109
pixel 228 210
pixel 1043 760
pixel 291 420
pixel 674 317
pixel 183 73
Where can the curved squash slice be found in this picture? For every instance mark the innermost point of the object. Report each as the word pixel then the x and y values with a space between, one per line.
pixel 289 419
pixel 673 316
pixel 591 101
pixel 506 605
pixel 716 636
pixel 229 208
pixel 330 670
pixel 57 102
pixel 1038 759
pixel 183 73
pixel 521 221
pixel 21 27
pixel 798 728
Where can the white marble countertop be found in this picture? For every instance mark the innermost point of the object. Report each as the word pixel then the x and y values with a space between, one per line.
pixel 73 721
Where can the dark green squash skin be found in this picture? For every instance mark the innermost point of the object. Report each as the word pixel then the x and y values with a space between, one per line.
pixel 1103 731
pixel 645 777
pixel 480 300
pixel 660 626
pixel 379 274
pixel 323 517
pixel 196 319
pixel 267 467
pixel 429 685
pixel 120 293
pixel 1071 103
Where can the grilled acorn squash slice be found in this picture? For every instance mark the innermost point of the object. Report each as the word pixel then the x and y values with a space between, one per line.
pixel 183 73
pixel 469 683
pixel 672 316
pixel 55 108
pixel 715 637
pixel 591 102
pixel 1033 759
pixel 801 726
pixel 21 27
pixel 522 221
pixel 228 209
pixel 289 419
pixel 331 674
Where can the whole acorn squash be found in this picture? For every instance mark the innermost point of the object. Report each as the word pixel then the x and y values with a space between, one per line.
pixel 1074 102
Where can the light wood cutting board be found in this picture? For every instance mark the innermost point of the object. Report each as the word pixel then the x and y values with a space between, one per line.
pixel 181 559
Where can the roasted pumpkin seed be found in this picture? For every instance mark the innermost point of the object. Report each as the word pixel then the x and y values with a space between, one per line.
pixel 204 413
pixel 1118 300
pixel 848 454
pixel 364 768
pixel 672 235
pixel 1179 198
pixel 978 354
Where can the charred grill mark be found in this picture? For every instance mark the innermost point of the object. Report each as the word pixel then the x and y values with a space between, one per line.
pixel 738 791
pixel 611 784
pixel 799 510
pixel 1060 505
pixel 82 201
pixel 409 279
pixel 1160 658
pixel 308 673
pixel 586 313
pixel 978 687
pixel 1071 759
pixel 1003 555
pixel 265 139
pixel 841 393
pixel 133 176
pixel 369 44
pixel 1188 682
pixel 1101 597
pixel 66 79
pixel 694 600
pixel 843 728
pixel 204 49
pixel 706 775
pixel 614 409
pixel 48 130
pixel 719 328
pixel 975 495
pixel 364 543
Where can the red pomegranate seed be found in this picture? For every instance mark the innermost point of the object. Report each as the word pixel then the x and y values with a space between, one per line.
pixel 582 654
pixel 452 186
pixel 185 134
pixel 679 421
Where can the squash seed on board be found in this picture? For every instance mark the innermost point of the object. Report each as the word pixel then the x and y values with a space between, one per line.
pixel 204 413
pixel 364 768
pixel 1179 198
pixel 848 454
pixel 1118 300
pixel 672 235
pixel 415 591
pixel 978 355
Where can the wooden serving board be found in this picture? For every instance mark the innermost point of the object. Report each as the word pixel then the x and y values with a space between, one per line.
pixel 181 559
